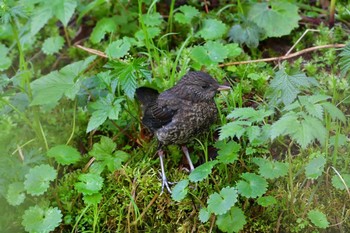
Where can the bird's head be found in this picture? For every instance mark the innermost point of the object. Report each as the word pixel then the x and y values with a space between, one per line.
pixel 198 86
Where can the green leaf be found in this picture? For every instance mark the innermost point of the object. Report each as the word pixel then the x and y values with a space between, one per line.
pixel 15 193
pixel 201 172
pixel 64 154
pixel 212 29
pixel 52 45
pixel 318 218
pixel 204 215
pixel 233 129
pixel 221 203
pixel 285 88
pixel 103 26
pixel 271 169
pixel 104 107
pixel 153 19
pixel 233 50
pixel 213 52
pixel 37 180
pixel 266 201
pixel 232 221
pixel 5 61
pixel 334 112
pixel 250 114
pixel 49 89
pixel 180 190
pixel 228 151
pixel 287 124
pixel 252 185
pixel 63 10
pixel 40 17
pixel 92 199
pixel 277 18
pixel 344 61
pixel 186 15
pixel 315 167
pixel 118 49
pixel 89 184
pixel 338 183
pixel 200 55
pixel 37 219
pixel 246 33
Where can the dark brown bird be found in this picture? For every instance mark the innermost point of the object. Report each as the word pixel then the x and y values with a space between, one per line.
pixel 180 113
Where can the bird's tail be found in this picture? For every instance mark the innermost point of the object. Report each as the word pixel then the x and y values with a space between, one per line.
pixel 147 96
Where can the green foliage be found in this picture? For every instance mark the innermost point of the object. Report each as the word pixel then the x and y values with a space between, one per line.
pixel 37 219
pixel 5 61
pixel 271 169
pixel 15 193
pixel 89 184
pixel 338 183
pixel 64 154
pixel 52 45
pixel 246 33
pixel 103 26
pixel 232 221
pixel 315 167
pixel 201 172
pixel 220 203
pixel 318 219
pixel 38 179
pixel 228 152
pixel 118 49
pixel 252 185
pixel 266 201
pixel 212 29
pixel 344 61
pixel 180 190
pixel 186 14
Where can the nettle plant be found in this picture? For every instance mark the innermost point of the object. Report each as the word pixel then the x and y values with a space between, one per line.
pixel 304 119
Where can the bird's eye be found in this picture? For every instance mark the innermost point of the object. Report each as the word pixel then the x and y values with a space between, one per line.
pixel 205 86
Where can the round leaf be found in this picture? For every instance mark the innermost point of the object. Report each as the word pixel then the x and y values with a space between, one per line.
pixel 64 154
pixel 180 190
pixel 36 219
pixel 38 179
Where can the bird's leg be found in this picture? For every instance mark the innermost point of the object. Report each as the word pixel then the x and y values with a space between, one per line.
pixel 164 179
pixel 185 150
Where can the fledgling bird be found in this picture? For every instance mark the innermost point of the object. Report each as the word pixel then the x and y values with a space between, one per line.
pixel 180 113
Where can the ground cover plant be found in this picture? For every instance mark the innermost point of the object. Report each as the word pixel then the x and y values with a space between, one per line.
pixel 74 156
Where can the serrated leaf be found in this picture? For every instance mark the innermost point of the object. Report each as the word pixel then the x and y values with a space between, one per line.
pixel 64 154
pixel 246 33
pixel 266 201
pixel 201 172
pixel 104 107
pixel 180 190
pixel 220 203
pixel 204 215
pixel 233 129
pixel 334 112
pixel 344 61
pixel 52 45
pixel 37 180
pixel 92 199
pixel 228 151
pixel 338 183
pixel 271 169
pixel 315 167
pixel 49 89
pixel 200 55
pixel 89 184
pixel 118 49
pixel 252 185
pixel 318 218
pixel 40 17
pixel 37 219
pixel 212 29
pixel 233 50
pixel 153 19
pixel 277 18
pixel 309 130
pixel 5 61
pixel 233 221
pixel 186 15
pixel 250 114
pixel 63 10
pixel 210 53
pixel 103 26
pixel 15 193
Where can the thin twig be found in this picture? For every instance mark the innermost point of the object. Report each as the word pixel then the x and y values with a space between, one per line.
pixel 93 51
pixel 284 57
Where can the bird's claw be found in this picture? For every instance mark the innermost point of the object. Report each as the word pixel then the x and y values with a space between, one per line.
pixel 165 183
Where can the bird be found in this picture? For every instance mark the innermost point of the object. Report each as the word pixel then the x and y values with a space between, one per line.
pixel 180 113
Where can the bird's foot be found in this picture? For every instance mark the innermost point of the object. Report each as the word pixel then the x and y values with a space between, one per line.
pixel 166 184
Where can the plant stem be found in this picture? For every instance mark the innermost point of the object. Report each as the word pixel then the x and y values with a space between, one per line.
pixel 290 170
pixel 331 13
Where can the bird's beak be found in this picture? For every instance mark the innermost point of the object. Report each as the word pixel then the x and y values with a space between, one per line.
pixel 223 88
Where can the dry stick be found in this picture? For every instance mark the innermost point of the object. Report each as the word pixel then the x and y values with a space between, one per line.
pixel 286 56
pixel 145 210
pixel 301 37
pixel 93 51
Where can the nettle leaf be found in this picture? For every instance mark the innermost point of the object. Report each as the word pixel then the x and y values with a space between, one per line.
pixel 334 112
pixel 152 32
pixel 49 89
pixel 204 215
pixel 202 171
pixel 315 167
pixel 246 33
pixel 63 9
pixel 338 183
pixel 180 190
pixel 5 61
pixel 318 218
pixel 186 15
pixel 233 221
pixel 250 114
pixel 277 18
pixel 103 26
pixel 271 169
pixel 221 203
pixel 64 154
pixel 105 154
pixel 37 219
pixel 118 49
pixel 267 201
pixel 153 19
pixel 233 129
pixel 40 17
pixel 37 180
pixel 285 88
pixel 89 184
pixel 212 29
pixel 252 186
pixel 15 193
pixel 52 45
pixel 105 107
pixel 228 151
pixel 344 61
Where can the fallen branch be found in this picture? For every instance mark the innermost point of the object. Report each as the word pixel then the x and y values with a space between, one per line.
pixel 93 51
pixel 285 57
